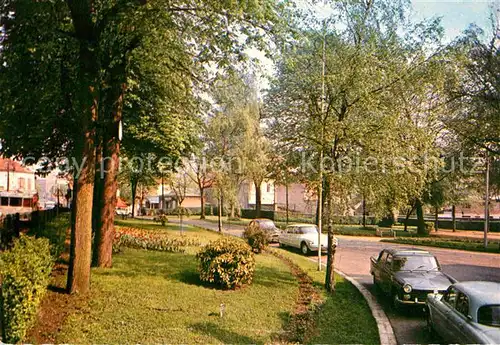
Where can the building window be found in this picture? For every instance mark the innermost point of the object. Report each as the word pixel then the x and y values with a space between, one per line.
pixel 21 183
pixel 268 188
pixel 4 201
pixel 16 202
pixel 29 185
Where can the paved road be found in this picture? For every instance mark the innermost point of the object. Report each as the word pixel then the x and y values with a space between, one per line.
pixel 353 258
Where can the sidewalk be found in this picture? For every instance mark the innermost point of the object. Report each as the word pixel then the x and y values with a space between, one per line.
pixel 464 234
pixel 230 229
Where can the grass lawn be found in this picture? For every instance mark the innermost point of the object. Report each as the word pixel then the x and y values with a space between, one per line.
pixel 225 221
pixel 156 297
pixel 345 317
pixel 453 243
pixel 172 230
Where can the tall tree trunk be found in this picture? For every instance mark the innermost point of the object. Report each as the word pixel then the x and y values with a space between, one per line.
pixel 408 214
pixel 98 185
pixel 232 212
pixel 436 218
pixel 85 151
pixel 202 200
pixel 133 185
pixel 258 199
pixel 364 212
pixel 330 261
pixel 420 217
pixel 105 234
pixel 286 200
pixel 454 218
pixel 81 232
pixel 219 211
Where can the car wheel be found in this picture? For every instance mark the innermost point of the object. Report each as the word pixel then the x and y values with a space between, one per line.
pixel 304 248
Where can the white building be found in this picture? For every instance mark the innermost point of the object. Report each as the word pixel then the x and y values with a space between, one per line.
pixel 17 187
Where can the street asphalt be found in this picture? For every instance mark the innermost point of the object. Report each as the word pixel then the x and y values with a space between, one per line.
pixel 353 258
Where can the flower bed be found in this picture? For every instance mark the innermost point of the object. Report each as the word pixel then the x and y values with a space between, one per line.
pixel 150 240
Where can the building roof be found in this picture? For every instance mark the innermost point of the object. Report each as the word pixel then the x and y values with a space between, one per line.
pixel 13 166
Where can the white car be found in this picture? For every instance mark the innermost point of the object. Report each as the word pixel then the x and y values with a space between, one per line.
pixel 304 237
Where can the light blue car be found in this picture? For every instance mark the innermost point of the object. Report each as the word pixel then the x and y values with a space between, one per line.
pixel 467 313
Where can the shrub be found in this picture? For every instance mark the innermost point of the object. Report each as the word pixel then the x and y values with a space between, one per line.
pixel 25 273
pixel 226 262
pixel 256 238
pixel 429 227
pixel 55 232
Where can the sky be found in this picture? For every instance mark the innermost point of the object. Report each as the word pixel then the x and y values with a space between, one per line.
pixel 456 14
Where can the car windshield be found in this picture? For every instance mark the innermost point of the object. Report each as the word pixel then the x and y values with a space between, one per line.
pixel 266 225
pixel 489 315
pixel 308 230
pixel 415 263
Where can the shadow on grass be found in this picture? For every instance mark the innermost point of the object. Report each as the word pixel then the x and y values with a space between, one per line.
pixel 137 262
pixel 223 335
pixel 192 277
pixel 271 277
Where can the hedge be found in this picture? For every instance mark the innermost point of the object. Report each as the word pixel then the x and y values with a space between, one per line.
pixel 25 274
pixel 476 225
pixel 252 214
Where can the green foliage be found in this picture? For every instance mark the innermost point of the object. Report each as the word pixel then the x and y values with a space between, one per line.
pixel 256 237
pixel 55 231
pixel 429 227
pixel 227 262
pixel 25 273
pixel 453 243
pixel 148 240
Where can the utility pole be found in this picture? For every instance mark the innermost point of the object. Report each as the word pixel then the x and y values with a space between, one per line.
pixel 320 196
pixel 162 193
pixel 8 174
pixel 487 202
pixel 219 211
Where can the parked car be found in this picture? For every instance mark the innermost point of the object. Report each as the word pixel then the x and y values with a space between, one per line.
pixel 467 313
pixel 304 237
pixel 408 275
pixel 268 226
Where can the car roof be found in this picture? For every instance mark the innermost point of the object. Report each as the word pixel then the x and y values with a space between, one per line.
pixel 263 220
pixel 481 292
pixel 302 224
pixel 407 251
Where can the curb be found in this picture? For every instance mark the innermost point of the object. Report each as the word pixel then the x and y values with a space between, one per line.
pixel 385 331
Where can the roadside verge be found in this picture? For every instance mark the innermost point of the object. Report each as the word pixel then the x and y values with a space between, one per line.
pixel 385 331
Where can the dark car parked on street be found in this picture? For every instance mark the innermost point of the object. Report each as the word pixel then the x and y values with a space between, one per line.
pixel 268 226
pixel 408 275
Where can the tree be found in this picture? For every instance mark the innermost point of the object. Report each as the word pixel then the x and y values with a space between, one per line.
pixel 355 111
pixel 200 174
pixel 234 138
pixel 77 55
